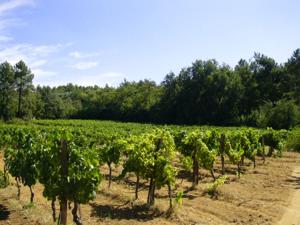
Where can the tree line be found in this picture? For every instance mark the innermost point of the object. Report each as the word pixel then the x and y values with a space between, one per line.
pixel 259 92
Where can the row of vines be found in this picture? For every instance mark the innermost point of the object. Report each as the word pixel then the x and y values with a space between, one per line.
pixel 67 161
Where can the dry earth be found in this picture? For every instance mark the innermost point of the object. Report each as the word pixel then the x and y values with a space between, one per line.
pixel 268 194
pixel 292 213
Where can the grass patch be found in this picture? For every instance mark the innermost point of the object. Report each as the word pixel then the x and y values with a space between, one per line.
pixel 28 206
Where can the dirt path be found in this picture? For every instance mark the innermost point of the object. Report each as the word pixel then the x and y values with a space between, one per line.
pixel 292 214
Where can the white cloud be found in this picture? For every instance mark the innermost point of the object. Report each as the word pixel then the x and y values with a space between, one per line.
pixel 85 65
pixel 9 20
pixel 36 56
pixel 38 63
pixel 5 38
pixel 8 23
pixel 79 55
pixel 29 53
pixel 12 4
pixel 40 73
pixel 43 50
pixel 75 55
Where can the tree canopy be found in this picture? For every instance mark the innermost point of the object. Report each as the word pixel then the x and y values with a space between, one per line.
pixel 259 92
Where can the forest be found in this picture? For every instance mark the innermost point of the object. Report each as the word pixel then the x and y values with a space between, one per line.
pixel 259 92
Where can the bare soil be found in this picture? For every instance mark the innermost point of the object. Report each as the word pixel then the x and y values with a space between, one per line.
pixel 292 213
pixel 268 194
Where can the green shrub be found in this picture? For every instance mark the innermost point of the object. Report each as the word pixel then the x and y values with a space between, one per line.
pixel 293 142
pixel 283 114
pixel 212 188
pixel 4 180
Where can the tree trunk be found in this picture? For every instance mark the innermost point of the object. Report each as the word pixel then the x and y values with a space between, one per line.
pixel 64 173
pixel 195 170
pixel 151 192
pixel 76 218
pixel 31 194
pixel 170 196
pixel 242 160
pixel 19 101
pixel 137 186
pixel 4 172
pixel 152 200
pixel 263 149
pixel 270 153
pixel 109 176
pixel 53 210
pixel 19 188
pixel 239 169
pixel 254 162
pixel 5 176
pixel 63 211
pixel 212 174
pixel 222 146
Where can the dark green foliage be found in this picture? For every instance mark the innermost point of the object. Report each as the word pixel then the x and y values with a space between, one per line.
pixel 3 180
pixel 260 93
pixel 7 110
pixel 82 176
pixel 64 155
pixel 23 83
pixel 276 140
pixel 283 114
pixel 293 141
pixel 21 158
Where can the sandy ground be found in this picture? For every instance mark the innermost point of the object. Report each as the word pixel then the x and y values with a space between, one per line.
pixel 268 194
pixel 292 212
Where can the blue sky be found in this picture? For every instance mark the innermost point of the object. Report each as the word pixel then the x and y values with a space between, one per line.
pixel 104 41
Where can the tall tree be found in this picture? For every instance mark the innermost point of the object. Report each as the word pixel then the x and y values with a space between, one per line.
pixel 267 74
pixel 293 70
pixel 23 82
pixel 6 90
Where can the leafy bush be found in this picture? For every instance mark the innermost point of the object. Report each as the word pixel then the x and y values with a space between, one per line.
pixel 293 142
pixel 212 188
pixel 4 180
pixel 283 114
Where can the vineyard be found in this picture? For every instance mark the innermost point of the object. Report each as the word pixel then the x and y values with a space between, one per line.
pixel 73 162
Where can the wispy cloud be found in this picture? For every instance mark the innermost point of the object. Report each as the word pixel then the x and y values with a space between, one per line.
pixel 9 19
pixel 36 56
pixel 5 38
pixel 80 55
pixel 38 63
pixel 85 65
pixel 42 59
pixel 12 4
pixel 28 52
pixel 41 73
pixel 6 23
